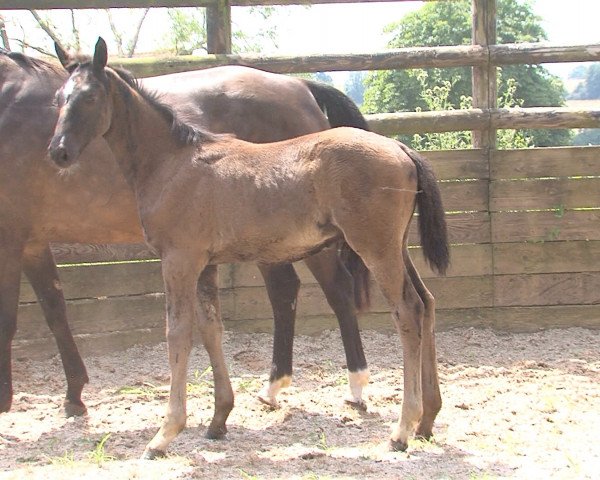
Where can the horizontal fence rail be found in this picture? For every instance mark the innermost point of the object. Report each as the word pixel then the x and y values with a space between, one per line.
pixel 475 118
pixel 84 4
pixel 400 58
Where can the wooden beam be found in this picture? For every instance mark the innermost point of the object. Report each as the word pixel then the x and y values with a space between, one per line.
pixel 81 4
pixel 484 77
pixel 218 27
pixel 476 118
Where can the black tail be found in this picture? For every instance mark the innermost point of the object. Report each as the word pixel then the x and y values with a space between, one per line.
pixel 432 220
pixel 341 111
pixel 339 108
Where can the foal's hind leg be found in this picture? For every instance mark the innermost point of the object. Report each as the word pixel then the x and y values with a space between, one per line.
pixel 407 314
pixel 382 252
pixel 432 399
pixel 282 287
pixel 40 269
pixel 338 287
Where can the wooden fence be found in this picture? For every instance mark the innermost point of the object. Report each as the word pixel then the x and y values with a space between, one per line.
pixel 524 223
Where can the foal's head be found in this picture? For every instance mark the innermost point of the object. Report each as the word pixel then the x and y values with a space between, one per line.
pixel 85 108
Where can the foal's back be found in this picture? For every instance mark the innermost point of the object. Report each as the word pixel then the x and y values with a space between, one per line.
pixel 278 201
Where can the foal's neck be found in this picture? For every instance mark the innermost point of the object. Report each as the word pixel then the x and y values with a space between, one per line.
pixel 139 136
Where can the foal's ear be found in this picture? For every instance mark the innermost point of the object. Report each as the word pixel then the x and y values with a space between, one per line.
pixel 100 55
pixel 62 55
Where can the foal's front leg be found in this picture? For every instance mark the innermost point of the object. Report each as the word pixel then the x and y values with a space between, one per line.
pixel 211 331
pixel 180 275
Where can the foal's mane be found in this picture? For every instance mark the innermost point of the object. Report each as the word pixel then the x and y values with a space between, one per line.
pixel 183 132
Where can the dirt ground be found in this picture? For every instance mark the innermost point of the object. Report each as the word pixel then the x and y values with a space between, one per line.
pixel 515 406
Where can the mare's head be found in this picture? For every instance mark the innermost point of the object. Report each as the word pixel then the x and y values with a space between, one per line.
pixel 85 106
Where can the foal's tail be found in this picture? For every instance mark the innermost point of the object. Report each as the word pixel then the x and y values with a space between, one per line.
pixel 432 221
pixel 341 111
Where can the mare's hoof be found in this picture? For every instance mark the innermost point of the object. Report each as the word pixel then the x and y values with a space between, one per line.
pixel 5 400
pixel 360 405
pixel 397 446
pixel 271 402
pixel 74 409
pixel 216 433
pixel 152 454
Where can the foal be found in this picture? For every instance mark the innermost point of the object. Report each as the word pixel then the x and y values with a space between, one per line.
pixel 206 199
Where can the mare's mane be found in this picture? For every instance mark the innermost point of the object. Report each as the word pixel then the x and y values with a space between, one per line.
pixel 31 63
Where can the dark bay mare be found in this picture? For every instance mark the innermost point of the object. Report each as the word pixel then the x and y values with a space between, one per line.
pixel 206 199
pixel 94 204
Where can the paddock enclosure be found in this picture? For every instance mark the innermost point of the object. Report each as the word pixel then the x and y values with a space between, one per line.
pixel 524 224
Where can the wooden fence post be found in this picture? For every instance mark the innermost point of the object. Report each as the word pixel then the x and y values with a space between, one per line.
pixel 484 77
pixel 218 27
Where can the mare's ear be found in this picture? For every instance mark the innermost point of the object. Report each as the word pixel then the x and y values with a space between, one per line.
pixel 62 55
pixel 100 55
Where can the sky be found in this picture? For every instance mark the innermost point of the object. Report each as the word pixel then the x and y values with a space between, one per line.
pixel 353 28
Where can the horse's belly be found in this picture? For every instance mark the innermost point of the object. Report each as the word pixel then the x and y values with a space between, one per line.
pixel 276 246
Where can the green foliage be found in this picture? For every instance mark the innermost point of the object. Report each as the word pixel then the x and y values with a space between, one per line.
pixel 187 32
pixel 449 23
pixel 587 136
pixel 266 33
pixel 323 77
pixel 355 87
pixel 437 98
pixel 589 88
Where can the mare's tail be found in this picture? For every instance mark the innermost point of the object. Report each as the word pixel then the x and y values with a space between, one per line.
pixel 432 221
pixel 341 111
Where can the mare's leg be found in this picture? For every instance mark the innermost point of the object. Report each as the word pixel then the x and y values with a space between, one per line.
pixel 432 399
pixel 40 269
pixel 282 287
pixel 10 283
pixel 338 286
pixel 180 276
pixel 211 332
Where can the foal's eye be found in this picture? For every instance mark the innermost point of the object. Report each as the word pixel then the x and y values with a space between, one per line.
pixel 89 97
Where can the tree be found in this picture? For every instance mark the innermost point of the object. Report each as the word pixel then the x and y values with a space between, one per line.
pixel 355 87
pixel 323 77
pixel 449 23
pixel 187 31
pixel 589 88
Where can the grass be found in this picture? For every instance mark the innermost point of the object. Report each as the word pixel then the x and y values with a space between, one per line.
pixel 98 455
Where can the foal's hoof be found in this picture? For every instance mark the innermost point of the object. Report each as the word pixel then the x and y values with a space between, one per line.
pixel 271 402
pixel 216 433
pixel 424 434
pixel 74 409
pixel 357 404
pixel 152 454
pixel 397 446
